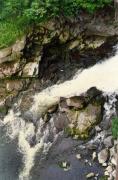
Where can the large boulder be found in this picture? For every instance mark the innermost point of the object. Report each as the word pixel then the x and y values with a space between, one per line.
pixel 9 89
pixel 31 69
pixel 4 55
pixel 82 121
pixel 103 156
pixel 83 112
pixel 10 59
pixel 19 45
pixel 9 69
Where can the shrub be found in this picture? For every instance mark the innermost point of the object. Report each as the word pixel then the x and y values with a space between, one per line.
pixel 41 10
pixel 10 31
pixel 13 14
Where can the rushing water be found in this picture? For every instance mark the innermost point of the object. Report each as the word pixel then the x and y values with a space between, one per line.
pixel 29 140
pixel 32 139
pixel 103 75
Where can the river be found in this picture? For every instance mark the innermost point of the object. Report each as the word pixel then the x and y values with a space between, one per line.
pixel 22 147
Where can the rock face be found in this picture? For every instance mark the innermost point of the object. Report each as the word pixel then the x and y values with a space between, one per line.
pixel 108 142
pixel 43 53
pixel 72 35
pixel 10 59
pixel 9 89
pixel 19 45
pixel 31 69
pixel 81 121
pixel 103 156
pixel 4 55
pixel 76 102
pixel 81 112
pixel 9 69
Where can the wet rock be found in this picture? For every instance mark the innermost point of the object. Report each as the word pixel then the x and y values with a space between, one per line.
pixel 88 118
pixel 97 128
pixel 2 91
pixel 73 106
pixel 102 29
pixel 50 25
pixel 78 156
pixel 76 102
pixel 29 117
pixel 114 173
pixel 53 108
pixel 108 142
pixel 4 54
pixel 5 96
pixel 105 164
pixel 74 44
pixel 3 109
pixel 9 69
pixel 10 59
pixel 109 169
pixel 90 175
pixel 64 36
pixel 30 69
pixel 95 43
pixel 14 85
pixel 19 45
pixel 63 107
pixel 91 146
pixel 103 156
pixel 9 89
pixel 94 155
pixel 47 117
pixel 106 173
pixel 93 93
pixel 114 161
pixel 84 120
pixel 60 121
pixel 112 151
pixel 25 104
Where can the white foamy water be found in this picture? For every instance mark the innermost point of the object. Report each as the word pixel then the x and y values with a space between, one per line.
pixel 104 76
pixel 24 132
pixel 110 106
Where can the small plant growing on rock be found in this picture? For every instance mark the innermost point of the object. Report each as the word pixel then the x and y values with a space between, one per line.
pixel 115 135
pixel 115 127
pixel 64 165
pixel 104 178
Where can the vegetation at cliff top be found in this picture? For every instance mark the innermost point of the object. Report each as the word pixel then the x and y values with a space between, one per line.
pixel 15 14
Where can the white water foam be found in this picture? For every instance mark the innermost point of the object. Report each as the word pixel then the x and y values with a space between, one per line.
pixel 103 76
pixel 110 106
pixel 25 131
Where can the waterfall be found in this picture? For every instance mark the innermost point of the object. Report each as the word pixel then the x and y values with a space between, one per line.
pixel 30 141
pixel 103 76
pixel 35 138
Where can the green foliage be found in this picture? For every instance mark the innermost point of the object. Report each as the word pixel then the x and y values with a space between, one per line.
pixel 43 10
pixel 9 32
pixel 15 13
pixel 92 5
pixel 104 178
pixel 13 23
pixel 115 127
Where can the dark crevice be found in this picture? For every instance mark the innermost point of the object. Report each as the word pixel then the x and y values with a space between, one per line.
pixel 54 59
